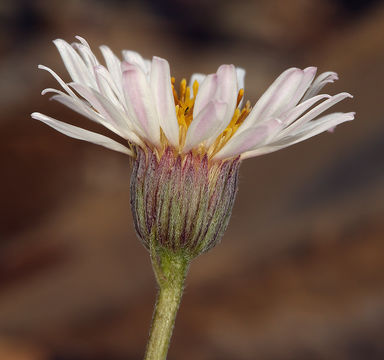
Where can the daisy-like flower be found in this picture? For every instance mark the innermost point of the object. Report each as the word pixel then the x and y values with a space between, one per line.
pixel 193 137
pixel 136 99
pixel 187 143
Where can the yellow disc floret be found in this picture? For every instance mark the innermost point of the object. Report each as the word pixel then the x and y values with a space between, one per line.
pixel 184 103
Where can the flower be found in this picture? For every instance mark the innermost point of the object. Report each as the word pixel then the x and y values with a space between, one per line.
pixel 187 144
pixel 136 99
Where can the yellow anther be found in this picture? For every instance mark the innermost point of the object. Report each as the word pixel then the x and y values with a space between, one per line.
pixel 184 104
pixel 240 95
pixel 183 86
pixel 187 94
pixel 195 88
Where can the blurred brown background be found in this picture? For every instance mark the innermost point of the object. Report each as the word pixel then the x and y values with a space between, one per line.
pixel 300 272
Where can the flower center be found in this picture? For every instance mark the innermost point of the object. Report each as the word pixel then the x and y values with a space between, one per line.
pixel 184 103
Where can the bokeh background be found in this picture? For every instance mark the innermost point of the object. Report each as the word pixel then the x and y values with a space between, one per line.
pixel 300 271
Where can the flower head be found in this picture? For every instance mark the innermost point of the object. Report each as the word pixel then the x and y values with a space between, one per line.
pixel 137 99
pixel 187 141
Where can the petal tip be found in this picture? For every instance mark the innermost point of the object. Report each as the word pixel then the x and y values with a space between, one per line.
pixel 36 115
pixel 158 58
pixel 312 69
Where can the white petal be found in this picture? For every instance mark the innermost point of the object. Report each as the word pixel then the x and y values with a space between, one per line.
pixel 310 115
pixel 319 83
pixel 74 63
pixel 300 109
pixel 81 134
pixel 240 74
pixel 93 115
pixel 206 123
pixel 322 124
pixel 272 100
pixel 249 139
pixel 87 55
pixel 101 71
pixel 260 151
pixel 113 66
pixel 163 96
pixel 106 87
pixel 314 128
pixel 58 79
pixel 308 74
pixel 140 102
pixel 81 107
pixel 74 105
pixel 107 110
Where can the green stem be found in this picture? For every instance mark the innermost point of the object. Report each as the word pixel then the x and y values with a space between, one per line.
pixel 170 270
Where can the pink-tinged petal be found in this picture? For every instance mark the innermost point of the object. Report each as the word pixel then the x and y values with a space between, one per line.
pixel 275 98
pixel 206 93
pixel 249 139
pixel 319 83
pixel 227 90
pixel 300 109
pixel 81 134
pixel 165 103
pixel 308 76
pixel 310 115
pixel 134 58
pixel 280 99
pixel 140 103
pixel 205 124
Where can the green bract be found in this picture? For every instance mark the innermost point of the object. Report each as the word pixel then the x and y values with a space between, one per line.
pixel 182 202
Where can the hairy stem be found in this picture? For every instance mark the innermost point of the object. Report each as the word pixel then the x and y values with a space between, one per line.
pixel 170 269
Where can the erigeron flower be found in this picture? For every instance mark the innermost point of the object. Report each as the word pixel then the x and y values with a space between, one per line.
pixel 187 140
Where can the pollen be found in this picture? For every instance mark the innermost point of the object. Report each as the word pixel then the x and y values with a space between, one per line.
pixel 184 104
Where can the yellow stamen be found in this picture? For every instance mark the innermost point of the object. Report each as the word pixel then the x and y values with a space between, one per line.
pixel 195 88
pixel 240 95
pixel 184 104
pixel 183 85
